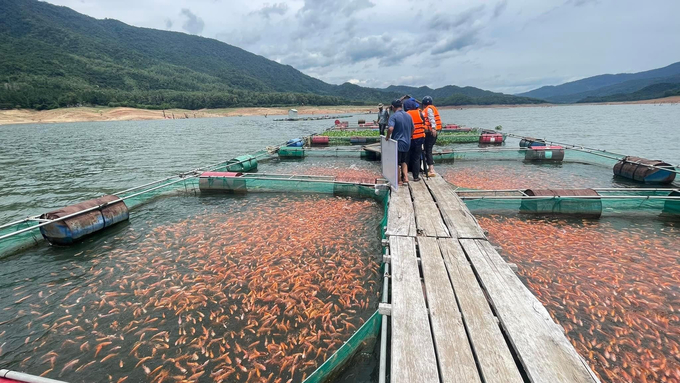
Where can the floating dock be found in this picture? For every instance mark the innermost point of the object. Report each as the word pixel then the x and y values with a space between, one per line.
pixel 458 311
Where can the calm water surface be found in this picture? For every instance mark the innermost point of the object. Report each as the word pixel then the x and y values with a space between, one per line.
pixel 45 166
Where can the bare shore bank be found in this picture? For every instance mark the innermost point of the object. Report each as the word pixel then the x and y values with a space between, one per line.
pixel 85 114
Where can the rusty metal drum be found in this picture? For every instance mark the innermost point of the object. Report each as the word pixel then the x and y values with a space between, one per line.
pixel 73 229
pixel 638 169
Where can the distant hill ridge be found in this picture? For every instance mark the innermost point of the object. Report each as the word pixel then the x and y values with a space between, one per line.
pixel 53 57
pixel 601 86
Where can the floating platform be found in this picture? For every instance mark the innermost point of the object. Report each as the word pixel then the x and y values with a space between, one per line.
pixel 470 318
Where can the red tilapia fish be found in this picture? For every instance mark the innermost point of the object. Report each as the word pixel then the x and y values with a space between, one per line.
pixel 264 293
pixel 613 286
pixel 488 175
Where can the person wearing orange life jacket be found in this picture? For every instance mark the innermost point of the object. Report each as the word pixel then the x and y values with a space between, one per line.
pixel 417 138
pixel 433 124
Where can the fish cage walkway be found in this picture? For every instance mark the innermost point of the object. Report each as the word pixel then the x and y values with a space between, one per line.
pixel 458 311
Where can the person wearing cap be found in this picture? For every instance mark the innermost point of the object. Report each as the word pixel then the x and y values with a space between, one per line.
pixel 417 137
pixel 400 129
pixel 383 118
pixel 433 124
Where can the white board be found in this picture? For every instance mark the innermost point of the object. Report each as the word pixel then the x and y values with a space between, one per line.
pixel 389 154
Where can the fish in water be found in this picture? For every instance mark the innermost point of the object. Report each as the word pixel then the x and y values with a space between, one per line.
pixel 614 285
pixel 262 290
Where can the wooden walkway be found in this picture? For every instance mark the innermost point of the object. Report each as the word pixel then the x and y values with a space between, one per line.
pixel 458 311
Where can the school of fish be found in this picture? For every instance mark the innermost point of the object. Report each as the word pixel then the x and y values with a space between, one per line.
pixel 265 292
pixel 486 175
pixel 614 285
pixel 336 167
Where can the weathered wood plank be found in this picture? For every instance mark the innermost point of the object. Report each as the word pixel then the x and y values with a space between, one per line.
pixel 456 215
pixel 428 219
pixel 400 216
pixel 495 360
pixel 542 347
pixel 412 349
pixel 454 355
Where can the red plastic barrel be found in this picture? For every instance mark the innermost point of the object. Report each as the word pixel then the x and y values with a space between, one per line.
pixel 319 140
pixel 491 138
pixel 451 126
pixel 544 153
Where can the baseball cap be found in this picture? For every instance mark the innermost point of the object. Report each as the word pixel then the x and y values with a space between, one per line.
pixel 396 103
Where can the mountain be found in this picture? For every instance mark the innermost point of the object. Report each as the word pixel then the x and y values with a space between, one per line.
pixel 606 85
pixel 454 95
pixel 54 57
pixel 647 93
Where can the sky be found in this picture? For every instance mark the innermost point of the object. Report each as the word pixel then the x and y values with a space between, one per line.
pixel 508 46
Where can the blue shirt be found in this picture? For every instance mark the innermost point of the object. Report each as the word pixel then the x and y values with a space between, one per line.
pixel 403 129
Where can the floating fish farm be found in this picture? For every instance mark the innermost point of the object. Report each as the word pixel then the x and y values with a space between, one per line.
pixel 524 260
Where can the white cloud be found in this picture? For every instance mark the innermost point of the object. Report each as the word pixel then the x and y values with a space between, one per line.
pixel 500 45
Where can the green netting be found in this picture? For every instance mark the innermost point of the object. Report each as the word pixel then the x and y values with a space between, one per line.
pixel 326 152
pixel 632 204
pixel 362 339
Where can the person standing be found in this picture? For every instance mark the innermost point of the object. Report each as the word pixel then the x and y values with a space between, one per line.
pixel 433 124
pixel 400 128
pixel 383 118
pixel 417 138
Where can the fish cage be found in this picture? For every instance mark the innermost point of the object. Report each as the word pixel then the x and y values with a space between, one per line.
pixel 586 203
pixel 268 174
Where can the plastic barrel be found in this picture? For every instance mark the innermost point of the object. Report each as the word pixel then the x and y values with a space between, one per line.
pixel 529 142
pixel 285 152
pixel 544 153
pixel 295 143
pixel 229 182
pixel 71 230
pixel 243 164
pixel 589 208
pixel 320 141
pixel 491 138
pixel 634 168
pixel 357 140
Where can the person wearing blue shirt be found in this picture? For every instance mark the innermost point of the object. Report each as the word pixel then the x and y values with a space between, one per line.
pixel 400 129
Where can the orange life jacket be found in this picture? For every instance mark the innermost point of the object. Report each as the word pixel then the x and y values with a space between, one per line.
pixel 438 120
pixel 418 124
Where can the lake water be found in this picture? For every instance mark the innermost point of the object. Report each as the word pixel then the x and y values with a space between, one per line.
pixel 45 166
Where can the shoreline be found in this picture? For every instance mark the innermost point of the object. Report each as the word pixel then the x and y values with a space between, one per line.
pixel 95 114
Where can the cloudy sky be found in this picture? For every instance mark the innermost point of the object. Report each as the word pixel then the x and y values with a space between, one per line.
pixel 503 45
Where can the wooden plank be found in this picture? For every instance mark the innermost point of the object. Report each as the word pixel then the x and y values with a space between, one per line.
pixel 428 219
pixel 400 216
pixel 454 355
pixel 544 351
pixel 495 360
pixel 456 215
pixel 412 349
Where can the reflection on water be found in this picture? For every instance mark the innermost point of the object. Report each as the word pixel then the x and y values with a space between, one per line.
pixel 612 284
pixel 198 288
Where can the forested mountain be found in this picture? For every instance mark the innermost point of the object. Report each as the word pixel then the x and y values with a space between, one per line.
pixel 606 85
pixel 454 95
pixel 53 57
pixel 648 93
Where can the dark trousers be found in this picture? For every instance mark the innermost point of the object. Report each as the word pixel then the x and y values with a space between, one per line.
pixel 415 152
pixel 429 144
pixel 382 129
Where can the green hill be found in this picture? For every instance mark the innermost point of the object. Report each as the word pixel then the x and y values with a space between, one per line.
pixel 648 93
pixel 454 95
pixel 55 57
pixel 606 85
